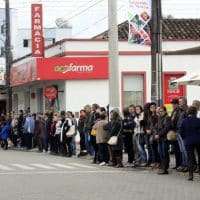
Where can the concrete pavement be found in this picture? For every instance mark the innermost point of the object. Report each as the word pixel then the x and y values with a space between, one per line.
pixel 35 176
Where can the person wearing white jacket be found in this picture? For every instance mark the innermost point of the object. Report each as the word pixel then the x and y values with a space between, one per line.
pixel 139 137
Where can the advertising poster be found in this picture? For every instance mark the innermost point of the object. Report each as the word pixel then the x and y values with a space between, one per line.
pixel 139 16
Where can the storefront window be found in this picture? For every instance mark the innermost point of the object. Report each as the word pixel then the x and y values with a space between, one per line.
pixel 133 90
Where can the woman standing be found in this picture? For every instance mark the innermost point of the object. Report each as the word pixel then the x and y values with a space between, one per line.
pixel 115 129
pixel 190 132
pixel 102 137
pixel 81 123
pixel 93 139
pixel 163 127
pixel 68 131
pixel 128 131
pixel 139 136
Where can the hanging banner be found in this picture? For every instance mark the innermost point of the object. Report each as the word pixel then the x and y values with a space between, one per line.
pixel 37 31
pixel 139 16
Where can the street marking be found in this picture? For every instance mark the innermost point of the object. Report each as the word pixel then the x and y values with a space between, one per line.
pixel 83 166
pixel 62 166
pixel 3 167
pixel 42 166
pixel 60 172
pixel 23 167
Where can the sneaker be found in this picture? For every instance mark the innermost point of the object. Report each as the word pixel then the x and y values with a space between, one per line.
pixel 143 164
pixel 128 164
pixel 102 164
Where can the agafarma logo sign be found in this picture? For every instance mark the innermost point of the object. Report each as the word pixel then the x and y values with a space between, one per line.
pixel 37 31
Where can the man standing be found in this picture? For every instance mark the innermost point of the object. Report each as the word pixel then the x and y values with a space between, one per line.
pixel 175 118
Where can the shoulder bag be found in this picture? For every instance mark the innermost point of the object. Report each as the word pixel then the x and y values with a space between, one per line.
pixel 114 139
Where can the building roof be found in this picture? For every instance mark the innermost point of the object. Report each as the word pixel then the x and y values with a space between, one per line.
pixel 173 29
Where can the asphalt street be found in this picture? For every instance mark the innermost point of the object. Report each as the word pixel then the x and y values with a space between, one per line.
pixel 40 176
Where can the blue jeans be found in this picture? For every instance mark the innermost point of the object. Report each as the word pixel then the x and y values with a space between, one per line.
pixel 163 149
pixel 184 155
pixel 88 145
pixel 142 156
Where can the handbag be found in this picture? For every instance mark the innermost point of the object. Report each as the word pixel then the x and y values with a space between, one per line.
pixel 114 139
pixel 71 131
pixel 93 132
pixel 171 136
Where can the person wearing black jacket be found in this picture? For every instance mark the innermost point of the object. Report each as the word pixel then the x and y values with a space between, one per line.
pixel 20 130
pixel 190 132
pixel 174 119
pixel 114 127
pixel 151 121
pixel 128 131
pixel 81 123
pixel 163 127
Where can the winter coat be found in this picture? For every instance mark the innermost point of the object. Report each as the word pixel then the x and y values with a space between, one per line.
pixel 40 129
pixel 5 131
pixel 190 130
pixel 65 128
pixel 29 125
pixel 115 129
pixel 102 135
pixel 48 124
pixel 139 124
pixel 20 126
pixel 163 126
pixel 89 122
pixel 128 125
pixel 81 123
pixel 175 116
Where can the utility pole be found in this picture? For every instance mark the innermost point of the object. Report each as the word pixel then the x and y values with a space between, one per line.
pixel 114 90
pixel 8 56
pixel 156 53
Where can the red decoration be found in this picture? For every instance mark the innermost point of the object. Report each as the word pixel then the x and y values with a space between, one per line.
pixel 51 93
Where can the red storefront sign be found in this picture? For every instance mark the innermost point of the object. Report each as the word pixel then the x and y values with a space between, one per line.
pixel 82 68
pixel 73 68
pixel 37 31
pixel 51 93
pixel 172 91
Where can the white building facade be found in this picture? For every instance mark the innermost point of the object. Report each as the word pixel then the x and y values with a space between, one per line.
pixel 77 88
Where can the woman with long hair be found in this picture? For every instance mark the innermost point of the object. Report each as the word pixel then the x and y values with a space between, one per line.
pixel 139 136
pixel 115 129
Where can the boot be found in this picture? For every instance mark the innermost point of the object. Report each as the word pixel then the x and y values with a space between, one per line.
pixel 119 162
pixel 190 178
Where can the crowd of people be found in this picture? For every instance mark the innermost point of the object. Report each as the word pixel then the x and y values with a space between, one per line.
pixel 147 134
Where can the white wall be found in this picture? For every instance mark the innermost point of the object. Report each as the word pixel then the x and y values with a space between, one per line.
pixel 81 93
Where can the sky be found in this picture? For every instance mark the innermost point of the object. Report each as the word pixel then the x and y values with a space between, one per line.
pixel 89 17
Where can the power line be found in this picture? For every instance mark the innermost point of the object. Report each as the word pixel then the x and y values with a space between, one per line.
pixel 93 24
